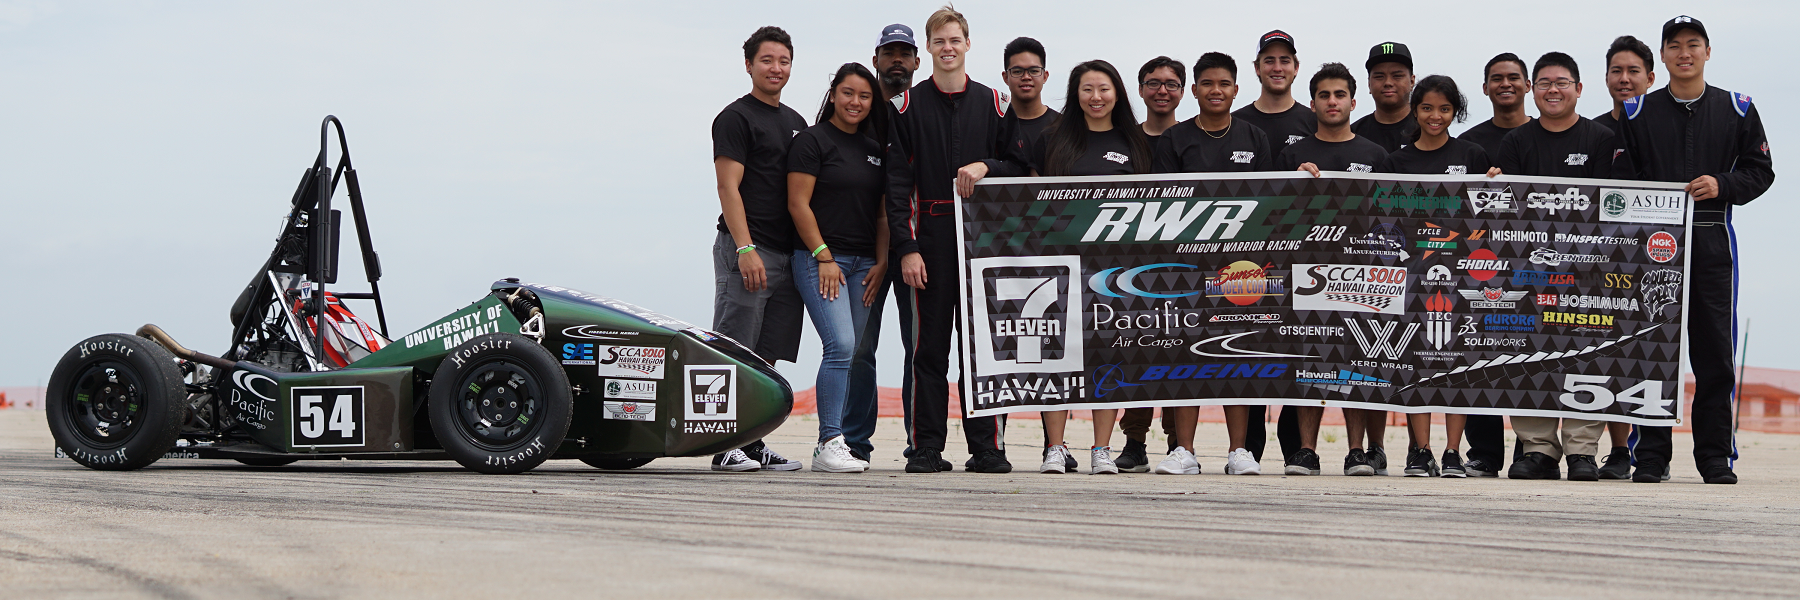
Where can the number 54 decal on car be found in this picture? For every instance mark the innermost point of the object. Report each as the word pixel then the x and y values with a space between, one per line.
pixel 1594 392
pixel 326 416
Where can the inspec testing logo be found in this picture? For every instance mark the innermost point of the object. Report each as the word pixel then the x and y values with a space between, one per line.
pixel 1027 314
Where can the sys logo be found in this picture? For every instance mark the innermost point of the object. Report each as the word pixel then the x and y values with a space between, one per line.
pixel 1027 318
pixel 1138 222
pixel 578 354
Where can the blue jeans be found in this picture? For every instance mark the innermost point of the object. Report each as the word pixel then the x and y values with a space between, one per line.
pixel 863 403
pixel 840 324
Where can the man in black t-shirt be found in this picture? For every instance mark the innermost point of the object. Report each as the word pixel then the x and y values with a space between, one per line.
pixel 754 300
pixel 1503 82
pixel 1560 143
pixel 1629 74
pixel 1212 142
pixel 1333 147
pixel 1275 112
pixel 1026 74
pixel 1712 140
pixel 1390 68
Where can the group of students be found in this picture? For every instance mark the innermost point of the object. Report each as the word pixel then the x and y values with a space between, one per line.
pixel 814 220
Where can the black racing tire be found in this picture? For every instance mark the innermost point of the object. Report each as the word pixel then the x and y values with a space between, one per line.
pixel 116 402
pixel 500 404
pixel 267 461
pixel 615 464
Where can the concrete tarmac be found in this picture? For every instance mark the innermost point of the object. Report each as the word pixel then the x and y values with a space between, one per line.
pixel 207 529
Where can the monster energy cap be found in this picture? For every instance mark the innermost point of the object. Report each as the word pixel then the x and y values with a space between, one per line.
pixel 1389 52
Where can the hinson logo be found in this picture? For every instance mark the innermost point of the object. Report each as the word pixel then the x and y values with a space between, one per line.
pixel 1154 221
pixel 1417 198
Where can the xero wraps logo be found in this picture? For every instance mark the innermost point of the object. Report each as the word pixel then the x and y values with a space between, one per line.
pixel 1027 314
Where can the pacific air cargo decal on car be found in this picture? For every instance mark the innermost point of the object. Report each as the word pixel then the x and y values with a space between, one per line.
pixel 252 399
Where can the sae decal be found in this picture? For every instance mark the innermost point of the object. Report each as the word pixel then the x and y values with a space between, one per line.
pixel 1027 314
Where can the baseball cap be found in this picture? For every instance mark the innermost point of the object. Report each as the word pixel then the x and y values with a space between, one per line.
pixel 1275 37
pixel 1389 52
pixel 896 33
pixel 1677 24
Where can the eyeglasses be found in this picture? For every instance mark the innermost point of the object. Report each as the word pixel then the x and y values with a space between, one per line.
pixel 1171 85
pixel 1022 72
pixel 1560 85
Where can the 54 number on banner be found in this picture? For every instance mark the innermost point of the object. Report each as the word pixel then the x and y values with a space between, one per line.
pixel 1647 394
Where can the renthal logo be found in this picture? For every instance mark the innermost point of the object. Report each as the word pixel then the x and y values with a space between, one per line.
pixel 1571 199
pixel 1155 221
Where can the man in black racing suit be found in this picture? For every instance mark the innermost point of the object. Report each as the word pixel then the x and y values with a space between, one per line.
pixel 1713 140
pixel 948 133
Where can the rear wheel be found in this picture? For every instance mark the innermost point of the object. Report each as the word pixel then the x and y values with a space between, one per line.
pixel 500 403
pixel 615 464
pixel 115 402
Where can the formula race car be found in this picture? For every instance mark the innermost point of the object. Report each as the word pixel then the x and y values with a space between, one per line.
pixel 525 373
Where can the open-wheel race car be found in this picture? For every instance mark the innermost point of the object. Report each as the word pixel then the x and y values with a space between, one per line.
pixel 525 373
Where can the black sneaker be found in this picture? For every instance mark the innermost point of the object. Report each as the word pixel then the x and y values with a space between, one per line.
pixel 1303 462
pixel 1356 464
pixel 1479 468
pixel 1378 460
pixel 1718 474
pixel 1135 458
pixel 1582 468
pixel 735 461
pixel 924 461
pixel 1618 464
pixel 989 461
pixel 1534 465
pixel 1420 463
pixel 1069 464
pixel 1453 465
pixel 771 461
pixel 1650 470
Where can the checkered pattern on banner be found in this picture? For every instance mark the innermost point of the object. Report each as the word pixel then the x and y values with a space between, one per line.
pixel 1342 290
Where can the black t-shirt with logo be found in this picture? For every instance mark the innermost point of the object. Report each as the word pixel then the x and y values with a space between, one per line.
pixel 1284 128
pixel 1487 135
pixel 1185 148
pixel 1031 131
pixel 1587 149
pixel 1455 157
pixel 757 135
pixel 1607 119
pixel 1389 137
pixel 1107 153
pixel 1355 156
pixel 846 200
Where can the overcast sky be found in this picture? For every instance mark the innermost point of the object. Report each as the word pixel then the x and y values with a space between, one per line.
pixel 150 148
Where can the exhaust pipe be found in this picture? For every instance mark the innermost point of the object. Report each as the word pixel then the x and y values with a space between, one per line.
pixel 156 334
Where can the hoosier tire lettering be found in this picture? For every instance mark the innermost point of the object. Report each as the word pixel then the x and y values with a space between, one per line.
pixel 115 402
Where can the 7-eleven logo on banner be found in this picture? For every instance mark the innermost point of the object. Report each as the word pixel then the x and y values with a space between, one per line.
pixel 1026 314
pixel 1438 320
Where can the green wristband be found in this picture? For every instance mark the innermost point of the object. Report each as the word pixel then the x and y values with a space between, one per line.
pixel 746 248
pixel 817 250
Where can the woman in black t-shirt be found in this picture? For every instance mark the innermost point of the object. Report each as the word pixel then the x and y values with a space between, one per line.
pixel 1435 152
pixel 835 183
pixel 1096 135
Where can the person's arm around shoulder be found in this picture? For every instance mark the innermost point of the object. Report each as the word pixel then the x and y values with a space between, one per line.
pixel 731 141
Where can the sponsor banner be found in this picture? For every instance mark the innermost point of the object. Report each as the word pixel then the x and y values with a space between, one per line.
pixel 1443 293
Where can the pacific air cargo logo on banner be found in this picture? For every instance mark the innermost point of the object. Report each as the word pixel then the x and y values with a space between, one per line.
pixel 1525 296
pixel 1027 315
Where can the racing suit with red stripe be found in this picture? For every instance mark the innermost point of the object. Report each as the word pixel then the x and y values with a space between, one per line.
pixel 935 133
pixel 1719 134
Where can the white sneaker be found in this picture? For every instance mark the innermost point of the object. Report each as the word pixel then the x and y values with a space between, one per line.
pixel 1102 462
pixel 1242 462
pixel 833 456
pixel 1179 462
pixel 1054 457
pixel 735 460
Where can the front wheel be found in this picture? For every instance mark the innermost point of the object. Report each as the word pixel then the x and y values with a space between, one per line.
pixel 615 464
pixel 115 402
pixel 500 403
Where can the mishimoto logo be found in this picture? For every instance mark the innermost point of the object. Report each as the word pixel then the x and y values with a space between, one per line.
pixel 1035 302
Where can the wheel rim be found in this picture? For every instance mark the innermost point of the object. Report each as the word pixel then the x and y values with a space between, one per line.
pixel 108 404
pixel 498 404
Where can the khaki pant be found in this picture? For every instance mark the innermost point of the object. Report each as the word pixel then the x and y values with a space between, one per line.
pixel 1538 434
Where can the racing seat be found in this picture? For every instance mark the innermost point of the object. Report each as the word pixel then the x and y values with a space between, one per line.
pixel 349 338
